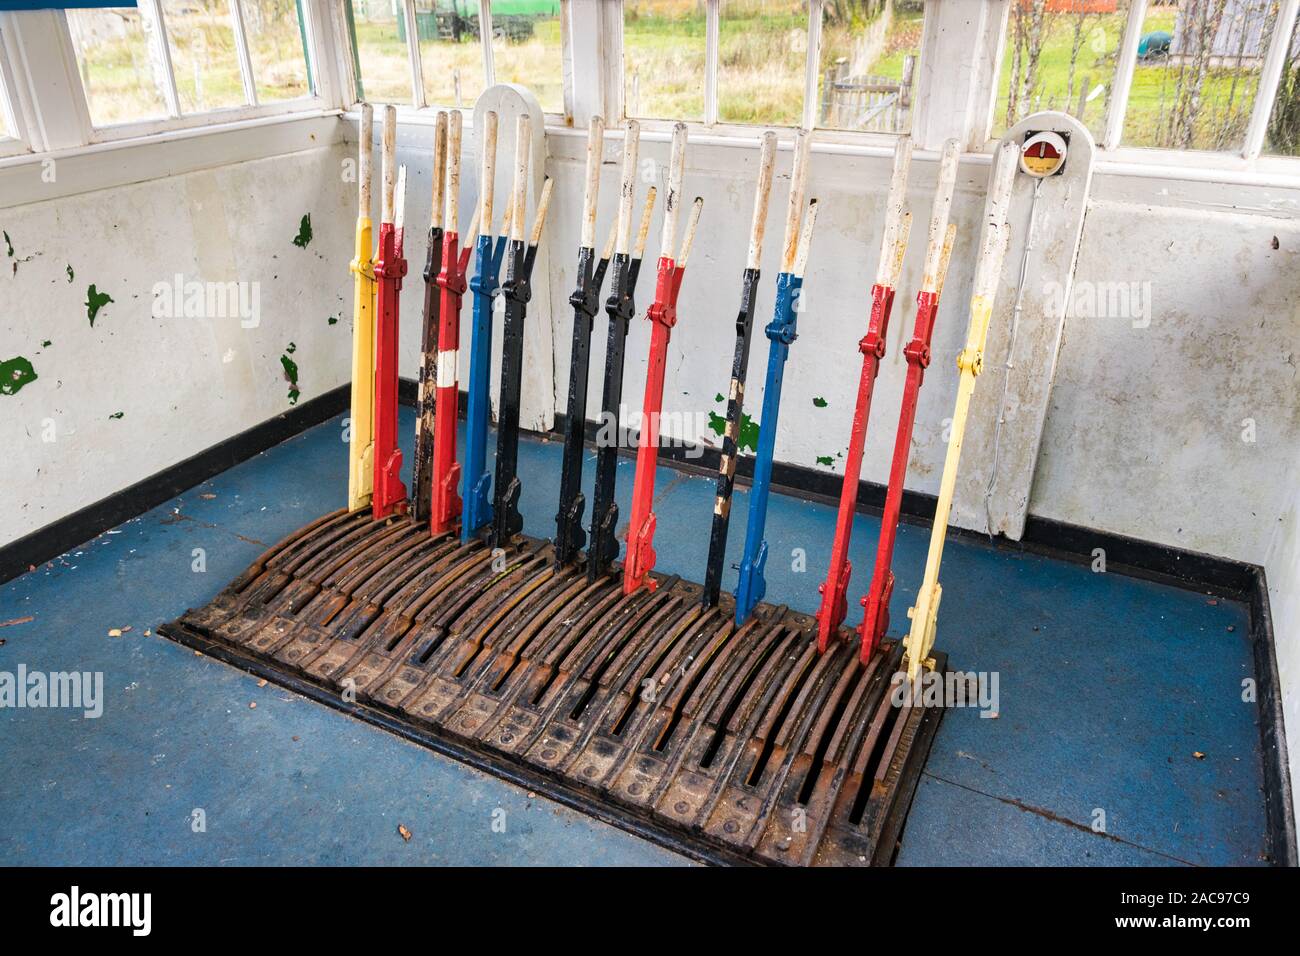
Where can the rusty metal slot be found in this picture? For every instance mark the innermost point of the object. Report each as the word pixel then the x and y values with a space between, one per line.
pixel 879 745
pixel 635 608
pixel 468 593
pixel 497 600
pixel 372 574
pixel 828 734
pixel 515 661
pixel 590 618
pixel 769 742
pixel 315 546
pixel 289 550
pixel 593 685
pixel 701 667
pixel 454 575
pixel 720 731
pixel 537 626
pixel 693 626
pixel 323 565
pixel 517 597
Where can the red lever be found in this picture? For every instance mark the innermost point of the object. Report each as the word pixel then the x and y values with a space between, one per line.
pixel 389 492
pixel 641 529
pixel 834 589
pixel 446 471
pixel 917 352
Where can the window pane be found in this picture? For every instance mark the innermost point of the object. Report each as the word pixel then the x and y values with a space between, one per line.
pixel 1197 72
pixel 115 59
pixel 450 52
pixel 204 60
pixel 383 70
pixel 527 48
pixel 663 53
pixel 1284 127
pixel 762 54
pixel 277 46
pixel 1060 55
pixel 870 53
pixel 6 127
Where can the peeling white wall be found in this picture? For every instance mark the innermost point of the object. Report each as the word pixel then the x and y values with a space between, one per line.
pixel 181 384
pixel 1282 568
pixel 1182 431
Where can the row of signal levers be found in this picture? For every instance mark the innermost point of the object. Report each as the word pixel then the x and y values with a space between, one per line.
pixel 490 503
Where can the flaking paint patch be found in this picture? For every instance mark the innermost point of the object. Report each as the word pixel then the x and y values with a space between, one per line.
pixel 15 373
pixel 304 232
pixel 747 434
pixel 9 251
pixel 71 275
pixel 747 439
pixel 819 402
pixel 95 300
pixel 291 373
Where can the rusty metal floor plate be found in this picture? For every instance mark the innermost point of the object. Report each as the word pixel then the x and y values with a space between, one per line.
pixel 647 711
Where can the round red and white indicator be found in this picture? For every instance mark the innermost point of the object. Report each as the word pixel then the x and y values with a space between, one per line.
pixel 1043 154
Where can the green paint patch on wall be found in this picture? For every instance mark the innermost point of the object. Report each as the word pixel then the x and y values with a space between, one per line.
pixel 825 460
pixel 9 246
pixel 116 415
pixel 14 374
pixel 71 275
pixel 332 320
pixel 819 402
pixel 291 373
pixel 46 344
pixel 95 301
pixel 747 440
pixel 304 232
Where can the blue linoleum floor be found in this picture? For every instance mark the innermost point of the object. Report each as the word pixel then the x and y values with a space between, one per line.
pixel 1110 688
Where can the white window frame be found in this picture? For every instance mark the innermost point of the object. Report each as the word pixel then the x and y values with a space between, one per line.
pixel 419 110
pixel 745 132
pixel 1248 157
pixel 176 118
pixel 956 87
pixel 17 141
